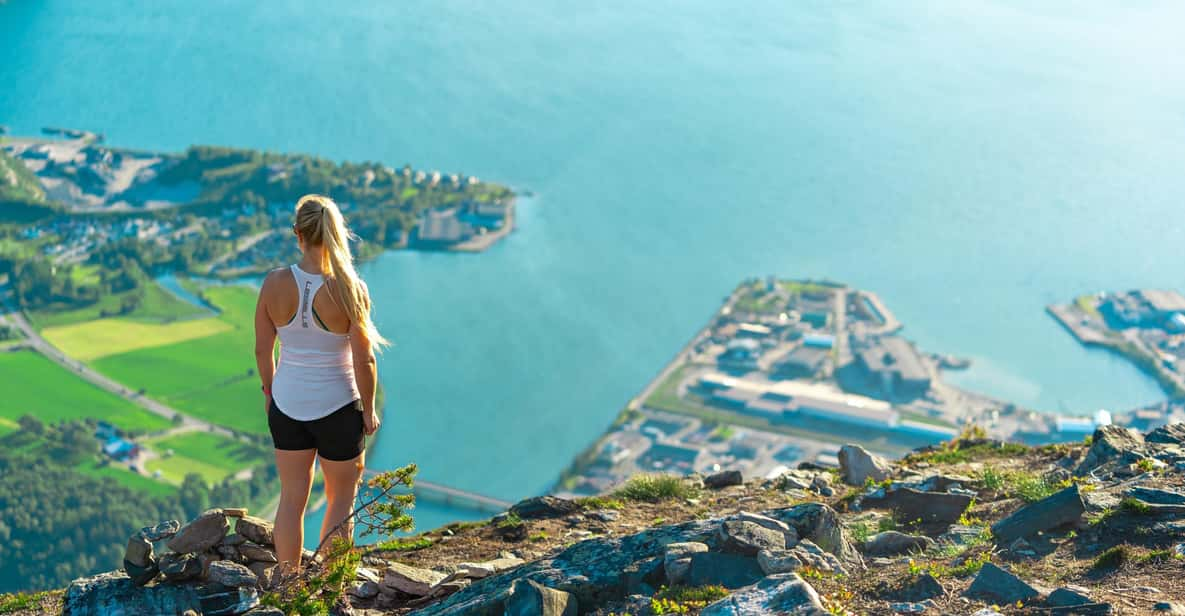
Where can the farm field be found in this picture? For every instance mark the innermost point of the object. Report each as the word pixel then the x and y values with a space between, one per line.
pixel 39 387
pixel 126 478
pixel 212 456
pixel 157 306
pixel 102 337
pixel 210 377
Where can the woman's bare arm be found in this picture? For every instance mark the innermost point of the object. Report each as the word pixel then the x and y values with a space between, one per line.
pixel 365 372
pixel 265 341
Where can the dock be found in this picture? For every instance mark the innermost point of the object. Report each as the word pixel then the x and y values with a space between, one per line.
pixel 1072 321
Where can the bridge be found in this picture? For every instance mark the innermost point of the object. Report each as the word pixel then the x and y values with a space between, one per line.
pixel 437 493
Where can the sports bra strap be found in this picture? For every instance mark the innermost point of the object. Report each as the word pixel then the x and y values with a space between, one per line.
pixel 307 286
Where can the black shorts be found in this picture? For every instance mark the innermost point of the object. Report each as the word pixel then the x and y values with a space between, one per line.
pixel 337 436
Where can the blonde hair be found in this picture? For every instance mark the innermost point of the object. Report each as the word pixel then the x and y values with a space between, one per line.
pixel 320 223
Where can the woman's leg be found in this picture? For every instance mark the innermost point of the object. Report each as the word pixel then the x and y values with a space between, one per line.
pixel 296 479
pixel 341 487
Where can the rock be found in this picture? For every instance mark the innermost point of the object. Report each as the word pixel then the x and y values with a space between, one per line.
pixel 805 554
pixel 164 530
pixel 785 593
pixel 227 552
pixel 256 529
pixel 411 580
pixel 1172 434
pixel 677 560
pixel 114 593
pixel 1067 596
pixel 1173 609
pixel 234 539
pixel 920 588
pixel 1110 443
pixel 727 570
pixel 748 538
pixel 235 512
pixel 180 567
pixel 822 485
pixel 908 608
pixel 231 574
pixel 1157 496
pixel 892 543
pixel 364 589
pixel 220 600
pixel 264 611
pixel 448 587
pixel 489 567
pixel 857 466
pixel 139 551
pixel 141 574
pixel 264 573
pixel 821 525
pixel 255 552
pixel 530 598
pixel 366 573
pixel 723 479
pixel 544 507
pixel 996 585
pixel 911 504
pixel 604 515
pixel 201 534
pixel 1056 510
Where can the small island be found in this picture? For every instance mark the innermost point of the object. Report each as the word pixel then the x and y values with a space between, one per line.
pixel 787 371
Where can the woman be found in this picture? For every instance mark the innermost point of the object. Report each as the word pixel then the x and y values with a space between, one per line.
pixel 320 399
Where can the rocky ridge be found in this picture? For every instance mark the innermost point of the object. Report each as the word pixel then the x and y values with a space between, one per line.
pixel 974 526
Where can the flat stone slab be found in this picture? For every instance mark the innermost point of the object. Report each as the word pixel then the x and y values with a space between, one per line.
pixel 231 574
pixel 911 504
pixel 411 580
pixel 996 585
pixel 727 570
pixel 201 534
pixel 748 538
pixel 785 593
pixel 114 593
pixel 256 529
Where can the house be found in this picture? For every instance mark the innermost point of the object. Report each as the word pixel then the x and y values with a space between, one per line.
pixel 803 361
pixel 120 449
pixel 667 456
pixel 443 227
pixel 740 354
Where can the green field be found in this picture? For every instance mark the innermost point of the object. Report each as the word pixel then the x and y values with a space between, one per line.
pixel 210 377
pixel 212 456
pixel 157 306
pixel 39 387
pixel 127 478
pixel 100 338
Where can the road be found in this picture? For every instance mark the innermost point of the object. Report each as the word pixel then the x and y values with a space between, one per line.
pixel 41 345
pixel 243 245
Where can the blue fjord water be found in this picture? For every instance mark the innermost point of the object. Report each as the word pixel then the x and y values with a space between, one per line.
pixel 971 161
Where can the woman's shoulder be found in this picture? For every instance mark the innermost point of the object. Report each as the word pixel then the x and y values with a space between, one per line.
pixel 276 277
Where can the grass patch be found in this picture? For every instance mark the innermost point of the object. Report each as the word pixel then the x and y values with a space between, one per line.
pixel 537 537
pixel 600 502
pixel 20 601
pixel 103 337
pixel 1025 485
pixel 510 521
pixel 962 450
pixel 156 306
pixel 212 456
pixel 1113 558
pixel 126 477
pixel 405 545
pixel 684 599
pixel 39 387
pixel 653 488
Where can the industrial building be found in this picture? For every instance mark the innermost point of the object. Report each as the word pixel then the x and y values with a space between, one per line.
pixel 892 366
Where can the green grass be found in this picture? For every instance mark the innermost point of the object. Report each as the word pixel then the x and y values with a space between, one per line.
pixel 20 601
pixel 212 456
pixel 205 377
pixel 405 545
pixel 1087 304
pixel 26 186
pixel 1111 559
pixel 97 339
pixel 654 488
pixel 1029 487
pixel 157 306
pixel 600 502
pixel 127 478
pixel 954 452
pixel 37 386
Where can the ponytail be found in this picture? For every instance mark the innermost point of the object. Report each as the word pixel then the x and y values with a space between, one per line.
pixel 321 224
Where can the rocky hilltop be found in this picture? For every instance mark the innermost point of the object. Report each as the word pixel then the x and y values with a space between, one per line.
pixel 973 526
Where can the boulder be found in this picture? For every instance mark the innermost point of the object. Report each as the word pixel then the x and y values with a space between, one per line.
pixel 1172 434
pixel 995 585
pixel 255 552
pixel 255 529
pixel 264 611
pixel 892 543
pixel 544 507
pixel 487 568
pixel 784 593
pixel 920 588
pixel 139 551
pixel 748 538
pixel 411 580
pixel 161 531
pixel 264 573
pixel 366 573
pixel 231 574
pixel 677 560
pixel 1056 510
pixel 114 593
pixel 235 512
pixel 805 554
pixel 727 570
pixel 1157 496
pixel 821 525
pixel 910 504
pixel 530 598
pixel 364 589
pixel 220 600
pixel 1110 443
pixel 201 534
pixel 180 567
pixel 141 574
pixel 1067 596
pixel 234 539
pixel 723 479
pixel 857 466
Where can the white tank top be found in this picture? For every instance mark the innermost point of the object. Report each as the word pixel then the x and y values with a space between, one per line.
pixel 315 376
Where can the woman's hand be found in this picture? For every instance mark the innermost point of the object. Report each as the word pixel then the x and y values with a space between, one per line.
pixel 370 422
pixel 267 403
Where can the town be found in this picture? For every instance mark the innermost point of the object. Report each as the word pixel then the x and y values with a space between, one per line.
pixel 788 371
